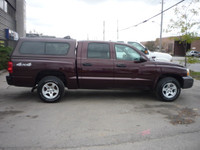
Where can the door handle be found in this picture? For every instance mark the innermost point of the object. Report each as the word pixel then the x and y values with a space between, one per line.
pixel 87 64
pixel 121 65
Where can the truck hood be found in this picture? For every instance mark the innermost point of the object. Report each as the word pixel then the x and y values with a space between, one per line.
pixel 168 64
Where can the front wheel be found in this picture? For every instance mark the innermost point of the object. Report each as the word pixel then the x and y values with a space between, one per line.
pixel 50 89
pixel 168 89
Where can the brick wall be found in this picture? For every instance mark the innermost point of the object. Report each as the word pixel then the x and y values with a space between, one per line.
pixel 196 45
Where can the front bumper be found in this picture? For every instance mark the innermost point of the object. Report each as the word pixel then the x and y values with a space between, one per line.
pixel 187 82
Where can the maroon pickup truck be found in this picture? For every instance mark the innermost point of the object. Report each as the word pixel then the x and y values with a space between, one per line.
pixel 51 64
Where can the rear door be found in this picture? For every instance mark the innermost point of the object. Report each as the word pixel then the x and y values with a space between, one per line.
pixel 95 66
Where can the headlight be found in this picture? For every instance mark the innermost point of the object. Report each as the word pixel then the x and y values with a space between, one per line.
pixel 188 72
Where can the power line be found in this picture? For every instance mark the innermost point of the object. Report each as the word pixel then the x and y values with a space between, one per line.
pixel 152 17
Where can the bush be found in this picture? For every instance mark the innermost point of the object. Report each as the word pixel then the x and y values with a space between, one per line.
pixel 4 56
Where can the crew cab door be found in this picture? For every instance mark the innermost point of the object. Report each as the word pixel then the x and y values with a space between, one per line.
pixel 129 70
pixel 95 66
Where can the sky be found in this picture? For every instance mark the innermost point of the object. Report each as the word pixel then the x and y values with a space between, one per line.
pixel 84 19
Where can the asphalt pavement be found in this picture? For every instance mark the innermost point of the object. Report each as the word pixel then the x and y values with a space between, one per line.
pixel 98 120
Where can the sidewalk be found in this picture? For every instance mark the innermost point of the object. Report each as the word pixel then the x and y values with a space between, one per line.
pixel 2 71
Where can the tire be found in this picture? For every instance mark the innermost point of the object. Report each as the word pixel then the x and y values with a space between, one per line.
pixel 168 89
pixel 50 89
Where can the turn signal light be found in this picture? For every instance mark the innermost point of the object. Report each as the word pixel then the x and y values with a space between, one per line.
pixel 146 52
pixel 10 67
pixel 188 72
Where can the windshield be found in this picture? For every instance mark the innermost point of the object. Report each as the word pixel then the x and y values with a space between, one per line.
pixel 137 45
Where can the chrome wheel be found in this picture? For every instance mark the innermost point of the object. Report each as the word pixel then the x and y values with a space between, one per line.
pixel 169 90
pixel 50 90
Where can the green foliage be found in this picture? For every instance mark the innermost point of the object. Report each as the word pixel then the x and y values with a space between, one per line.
pixel 4 56
pixel 193 60
pixel 195 75
pixel 186 22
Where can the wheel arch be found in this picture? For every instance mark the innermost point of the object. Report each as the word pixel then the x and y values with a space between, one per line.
pixel 55 73
pixel 176 76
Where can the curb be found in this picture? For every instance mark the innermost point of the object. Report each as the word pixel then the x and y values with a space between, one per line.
pixel 2 71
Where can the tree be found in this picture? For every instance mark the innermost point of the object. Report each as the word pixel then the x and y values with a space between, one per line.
pixel 186 23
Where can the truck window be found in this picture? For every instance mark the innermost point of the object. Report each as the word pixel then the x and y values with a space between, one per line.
pixel 44 48
pixel 57 48
pixel 98 50
pixel 36 48
pixel 126 53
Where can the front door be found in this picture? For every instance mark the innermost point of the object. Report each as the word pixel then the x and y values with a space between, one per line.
pixel 127 67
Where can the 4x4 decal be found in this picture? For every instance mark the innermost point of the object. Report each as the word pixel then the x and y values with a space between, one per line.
pixel 24 64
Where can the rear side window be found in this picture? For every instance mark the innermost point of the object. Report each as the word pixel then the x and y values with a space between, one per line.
pixel 32 48
pixel 98 50
pixel 57 48
pixel 43 48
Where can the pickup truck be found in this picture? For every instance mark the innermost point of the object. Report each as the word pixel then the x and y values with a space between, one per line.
pixel 51 64
pixel 156 56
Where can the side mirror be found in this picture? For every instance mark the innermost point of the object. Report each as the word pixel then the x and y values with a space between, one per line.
pixel 153 58
pixel 143 59
pixel 146 51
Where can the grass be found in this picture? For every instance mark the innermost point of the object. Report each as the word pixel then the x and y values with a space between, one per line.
pixel 193 60
pixel 190 60
pixel 195 75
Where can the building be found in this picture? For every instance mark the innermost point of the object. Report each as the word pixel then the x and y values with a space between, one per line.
pixel 12 21
pixel 174 47
pixel 178 49
pixel 196 45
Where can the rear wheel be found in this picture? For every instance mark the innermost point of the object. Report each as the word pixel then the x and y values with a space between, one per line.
pixel 168 89
pixel 50 89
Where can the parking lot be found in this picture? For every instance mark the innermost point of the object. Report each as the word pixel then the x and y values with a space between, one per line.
pixel 98 120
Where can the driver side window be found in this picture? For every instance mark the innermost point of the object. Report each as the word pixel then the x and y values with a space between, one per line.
pixel 124 52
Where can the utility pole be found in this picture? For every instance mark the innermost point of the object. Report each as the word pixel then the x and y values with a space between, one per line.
pixel 161 26
pixel 117 30
pixel 104 30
